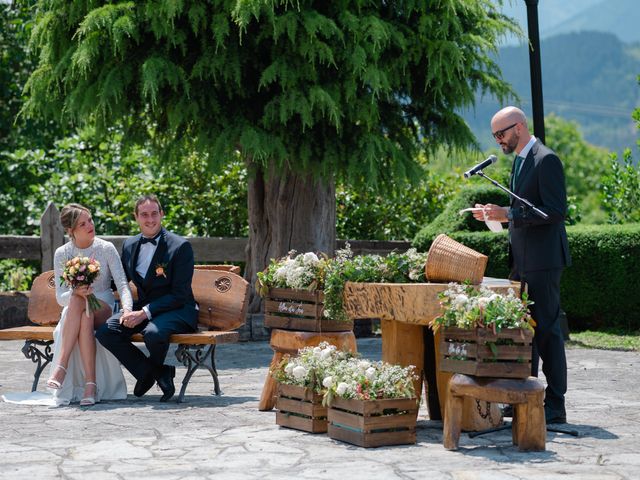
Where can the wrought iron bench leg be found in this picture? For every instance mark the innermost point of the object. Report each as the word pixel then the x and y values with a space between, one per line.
pixel 32 351
pixel 194 357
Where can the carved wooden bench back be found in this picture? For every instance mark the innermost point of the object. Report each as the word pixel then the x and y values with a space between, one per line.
pixel 43 307
pixel 223 298
pixel 225 268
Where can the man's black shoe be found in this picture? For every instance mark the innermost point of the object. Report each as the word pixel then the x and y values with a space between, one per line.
pixel 554 416
pixel 143 386
pixel 507 411
pixel 165 382
pixel 559 419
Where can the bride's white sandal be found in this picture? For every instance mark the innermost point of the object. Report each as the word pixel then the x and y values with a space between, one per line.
pixel 52 382
pixel 89 401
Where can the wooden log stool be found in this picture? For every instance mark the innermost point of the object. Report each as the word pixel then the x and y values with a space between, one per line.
pixel 528 427
pixel 290 341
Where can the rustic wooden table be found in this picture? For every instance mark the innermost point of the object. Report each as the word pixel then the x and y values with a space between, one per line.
pixel 405 310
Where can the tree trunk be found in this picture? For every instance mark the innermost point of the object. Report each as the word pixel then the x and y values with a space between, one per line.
pixel 287 211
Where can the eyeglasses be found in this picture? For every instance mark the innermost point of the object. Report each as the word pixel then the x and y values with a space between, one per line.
pixel 499 135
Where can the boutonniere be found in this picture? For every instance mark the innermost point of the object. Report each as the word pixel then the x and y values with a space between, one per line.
pixel 160 270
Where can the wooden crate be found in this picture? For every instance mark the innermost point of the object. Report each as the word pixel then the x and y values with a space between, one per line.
pixel 300 408
pixel 373 423
pixel 299 310
pixel 470 352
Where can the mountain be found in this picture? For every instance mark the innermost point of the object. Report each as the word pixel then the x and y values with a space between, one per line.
pixel 620 17
pixel 588 77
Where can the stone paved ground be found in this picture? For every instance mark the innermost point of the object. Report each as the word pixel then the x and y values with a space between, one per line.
pixel 227 437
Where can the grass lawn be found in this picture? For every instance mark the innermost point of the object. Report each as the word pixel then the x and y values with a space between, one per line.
pixel 607 340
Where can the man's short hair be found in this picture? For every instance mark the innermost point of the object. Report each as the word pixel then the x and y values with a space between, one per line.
pixel 147 198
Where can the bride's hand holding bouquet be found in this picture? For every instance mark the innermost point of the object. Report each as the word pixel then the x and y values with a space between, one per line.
pixel 78 274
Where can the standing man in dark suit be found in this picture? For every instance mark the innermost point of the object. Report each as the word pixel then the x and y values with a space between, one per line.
pixel 160 264
pixel 538 247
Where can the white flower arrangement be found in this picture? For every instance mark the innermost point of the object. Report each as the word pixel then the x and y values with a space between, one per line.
pixel 311 368
pixel 353 378
pixel 468 307
pixel 325 369
pixel 303 271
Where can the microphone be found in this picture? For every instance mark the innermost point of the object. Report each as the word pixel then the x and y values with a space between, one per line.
pixel 480 166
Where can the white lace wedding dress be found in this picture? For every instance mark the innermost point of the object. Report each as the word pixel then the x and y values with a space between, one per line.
pixel 109 376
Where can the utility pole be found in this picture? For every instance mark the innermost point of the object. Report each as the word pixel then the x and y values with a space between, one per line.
pixel 535 69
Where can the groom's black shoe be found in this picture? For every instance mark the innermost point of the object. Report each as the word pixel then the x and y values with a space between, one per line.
pixel 143 385
pixel 165 382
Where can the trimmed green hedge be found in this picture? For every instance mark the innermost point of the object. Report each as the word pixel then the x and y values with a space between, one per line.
pixel 600 288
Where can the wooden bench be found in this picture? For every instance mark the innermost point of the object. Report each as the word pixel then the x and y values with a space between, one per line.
pixel 222 296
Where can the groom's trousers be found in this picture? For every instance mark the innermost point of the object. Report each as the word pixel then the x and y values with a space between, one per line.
pixel 156 332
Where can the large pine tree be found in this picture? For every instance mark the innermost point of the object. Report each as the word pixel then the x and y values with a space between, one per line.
pixel 306 90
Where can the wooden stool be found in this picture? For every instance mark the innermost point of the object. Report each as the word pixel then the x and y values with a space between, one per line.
pixel 290 341
pixel 528 428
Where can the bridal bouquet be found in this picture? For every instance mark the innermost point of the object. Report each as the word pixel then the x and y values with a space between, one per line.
pixel 81 271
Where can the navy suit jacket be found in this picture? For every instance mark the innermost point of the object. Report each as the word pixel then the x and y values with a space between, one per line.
pixel 162 293
pixel 537 243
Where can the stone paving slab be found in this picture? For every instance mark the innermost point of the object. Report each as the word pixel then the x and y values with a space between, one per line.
pixel 227 437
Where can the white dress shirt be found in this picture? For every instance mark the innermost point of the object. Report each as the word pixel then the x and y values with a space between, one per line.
pixel 145 255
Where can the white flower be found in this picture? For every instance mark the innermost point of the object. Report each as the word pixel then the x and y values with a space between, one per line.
pixel 326 353
pixel 288 369
pixel 370 373
pixel 317 351
pixel 327 382
pixel 299 372
pixel 413 275
pixel 341 388
pixel 460 299
pixel 280 274
pixel 363 364
pixel 310 258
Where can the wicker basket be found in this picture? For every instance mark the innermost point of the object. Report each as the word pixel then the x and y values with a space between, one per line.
pixel 451 261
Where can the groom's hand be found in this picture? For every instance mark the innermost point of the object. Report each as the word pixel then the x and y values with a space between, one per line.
pixel 133 319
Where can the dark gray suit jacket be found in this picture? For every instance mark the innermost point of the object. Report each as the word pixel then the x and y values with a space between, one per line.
pixel 537 243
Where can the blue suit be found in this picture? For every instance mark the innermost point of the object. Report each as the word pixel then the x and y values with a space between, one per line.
pixel 538 253
pixel 167 294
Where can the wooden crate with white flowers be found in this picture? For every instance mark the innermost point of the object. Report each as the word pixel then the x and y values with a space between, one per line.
pixel 300 408
pixel 300 310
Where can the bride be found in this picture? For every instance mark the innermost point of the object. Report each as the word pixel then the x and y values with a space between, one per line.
pixel 81 370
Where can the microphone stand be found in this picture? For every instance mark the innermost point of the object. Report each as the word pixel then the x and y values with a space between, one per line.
pixel 535 209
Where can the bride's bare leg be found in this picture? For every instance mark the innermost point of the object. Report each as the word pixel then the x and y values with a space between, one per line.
pixel 87 343
pixel 69 336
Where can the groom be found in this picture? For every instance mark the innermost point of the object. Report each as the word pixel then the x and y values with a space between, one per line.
pixel 160 264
